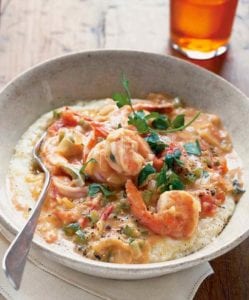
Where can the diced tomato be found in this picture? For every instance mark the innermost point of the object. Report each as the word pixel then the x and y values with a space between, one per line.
pixel 223 167
pixel 69 118
pixel 107 211
pixel 83 221
pixel 208 206
pixel 220 197
pixel 157 163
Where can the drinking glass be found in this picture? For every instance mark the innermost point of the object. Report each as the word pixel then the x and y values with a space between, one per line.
pixel 201 29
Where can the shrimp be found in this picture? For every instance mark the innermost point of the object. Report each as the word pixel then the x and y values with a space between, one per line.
pixel 127 152
pixel 100 169
pixel 177 213
pixel 113 250
pixel 119 157
pixel 51 158
pixel 65 187
pixel 58 150
pixel 120 117
pixel 159 107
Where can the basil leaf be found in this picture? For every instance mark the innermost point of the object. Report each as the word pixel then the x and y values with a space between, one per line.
pixel 144 173
pixel 156 145
pixel 95 188
pixel 139 122
pixel 178 121
pixel 193 148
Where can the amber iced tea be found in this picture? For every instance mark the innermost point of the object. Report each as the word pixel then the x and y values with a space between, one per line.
pixel 201 28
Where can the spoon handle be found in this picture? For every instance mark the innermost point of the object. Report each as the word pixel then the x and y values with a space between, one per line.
pixel 15 257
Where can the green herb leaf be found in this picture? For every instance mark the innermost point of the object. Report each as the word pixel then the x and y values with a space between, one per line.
pixel 167 180
pixel 156 145
pixel 178 121
pixel 159 122
pixel 174 182
pixel 147 196
pixel 237 188
pixel 205 174
pixel 126 85
pixel 193 148
pixel 80 237
pixel 70 229
pixel 141 114
pixel 161 177
pixel 130 231
pixel 95 188
pixel 152 115
pixel 191 178
pixel 174 128
pixel 139 122
pixel 56 114
pixel 94 217
pixel 121 100
pixel 144 173
pixel 75 173
pixel 173 157
pixel 82 170
pixel 122 205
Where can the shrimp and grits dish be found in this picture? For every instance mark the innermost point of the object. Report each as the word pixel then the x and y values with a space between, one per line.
pixel 133 180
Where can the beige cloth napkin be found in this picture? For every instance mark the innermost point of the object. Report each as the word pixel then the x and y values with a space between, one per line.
pixel 45 279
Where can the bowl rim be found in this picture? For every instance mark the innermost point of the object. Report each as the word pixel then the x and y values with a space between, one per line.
pixel 171 265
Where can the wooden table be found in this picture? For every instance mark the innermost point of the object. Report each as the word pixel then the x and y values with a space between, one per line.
pixel 34 30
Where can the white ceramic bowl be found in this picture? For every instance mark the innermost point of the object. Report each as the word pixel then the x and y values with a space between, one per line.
pixel 96 74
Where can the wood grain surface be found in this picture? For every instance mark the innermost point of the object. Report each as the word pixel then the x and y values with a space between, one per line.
pixel 32 31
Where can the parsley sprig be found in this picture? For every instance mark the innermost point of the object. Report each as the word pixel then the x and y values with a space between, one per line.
pixel 160 123
pixel 182 126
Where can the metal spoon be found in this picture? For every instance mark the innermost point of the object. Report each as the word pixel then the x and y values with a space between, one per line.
pixel 15 257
